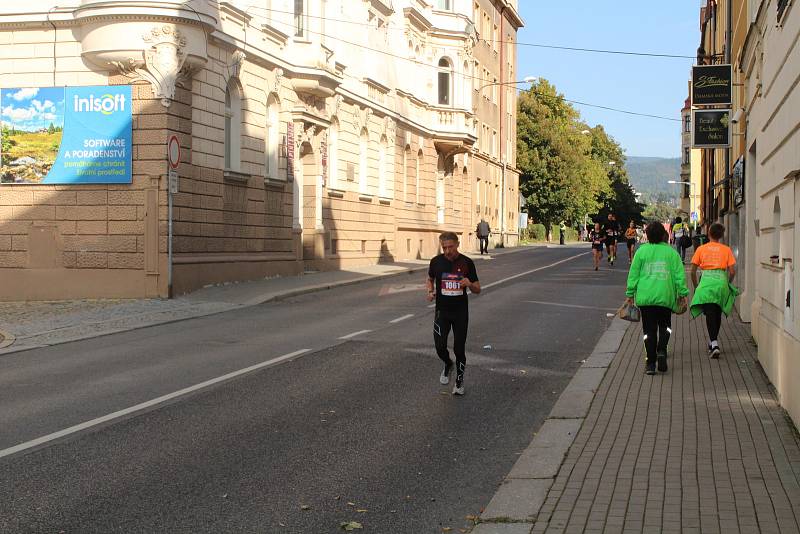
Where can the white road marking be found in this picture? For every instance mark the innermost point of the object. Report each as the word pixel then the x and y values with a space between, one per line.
pixel 143 406
pixel 403 318
pixel 534 270
pixel 569 305
pixel 354 334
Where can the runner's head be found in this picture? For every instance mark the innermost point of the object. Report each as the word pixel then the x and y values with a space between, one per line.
pixel 655 232
pixel 596 227
pixel 678 220
pixel 716 232
pixel 449 243
pixel 631 225
pixel 610 216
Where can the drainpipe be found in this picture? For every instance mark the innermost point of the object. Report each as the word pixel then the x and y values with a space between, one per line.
pixel 728 45
pixel 501 87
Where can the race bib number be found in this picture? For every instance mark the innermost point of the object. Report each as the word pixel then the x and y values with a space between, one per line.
pixel 451 287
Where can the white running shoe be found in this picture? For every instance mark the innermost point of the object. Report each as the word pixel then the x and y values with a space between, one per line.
pixel 458 390
pixel 444 378
pixel 714 353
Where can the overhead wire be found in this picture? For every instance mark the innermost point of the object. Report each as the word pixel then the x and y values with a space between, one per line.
pixel 499 41
pixel 468 76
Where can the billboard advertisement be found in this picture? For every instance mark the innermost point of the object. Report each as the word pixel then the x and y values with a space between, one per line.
pixel 66 135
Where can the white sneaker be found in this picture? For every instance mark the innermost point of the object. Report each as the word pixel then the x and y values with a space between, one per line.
pixel 458 390
pixel 444 378
pixel 714 353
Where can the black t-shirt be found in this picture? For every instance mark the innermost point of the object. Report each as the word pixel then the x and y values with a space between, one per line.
pixel 446 275
pixel 612 230
pixel 596 237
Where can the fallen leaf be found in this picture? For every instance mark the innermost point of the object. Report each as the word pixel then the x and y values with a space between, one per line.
pixel 350 526
pixel 446 529
pixel 362 510
pixel 305 507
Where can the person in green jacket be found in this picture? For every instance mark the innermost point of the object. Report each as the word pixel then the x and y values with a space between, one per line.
pixel 657 285
pixel 715 293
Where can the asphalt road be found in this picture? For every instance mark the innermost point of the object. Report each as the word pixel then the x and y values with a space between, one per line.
pixel 354 429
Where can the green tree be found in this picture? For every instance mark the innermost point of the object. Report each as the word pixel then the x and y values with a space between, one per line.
pixel 560 178
pixel 660 211
pixel 51 129
pixel 620 198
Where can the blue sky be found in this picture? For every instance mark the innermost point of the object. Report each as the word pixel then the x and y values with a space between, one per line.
pixel 649 85
pixel 32 108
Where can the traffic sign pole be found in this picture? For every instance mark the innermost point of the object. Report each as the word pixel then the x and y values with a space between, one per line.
pixel 173 161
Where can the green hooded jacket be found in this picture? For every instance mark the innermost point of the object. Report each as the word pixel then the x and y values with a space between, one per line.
pixel 714 288
pixel 656 277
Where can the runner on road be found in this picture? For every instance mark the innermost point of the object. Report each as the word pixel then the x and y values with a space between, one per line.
pixel 612 231
pixel 449 276
pixel 596 237
pixel 630 236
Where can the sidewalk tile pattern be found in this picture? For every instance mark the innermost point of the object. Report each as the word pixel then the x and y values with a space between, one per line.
pixel 703 448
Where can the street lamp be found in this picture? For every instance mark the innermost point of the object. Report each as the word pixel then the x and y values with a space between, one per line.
pixel 691 198
pixel 526 79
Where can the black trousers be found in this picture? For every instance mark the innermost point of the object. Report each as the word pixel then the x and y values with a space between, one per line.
pixel 484 241
pixel 656 327
pixel 713 315
pixel 457 320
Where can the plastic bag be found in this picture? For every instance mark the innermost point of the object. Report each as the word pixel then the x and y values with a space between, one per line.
pixel 629 312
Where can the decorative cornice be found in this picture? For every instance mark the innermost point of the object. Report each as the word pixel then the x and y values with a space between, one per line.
pixel 235 65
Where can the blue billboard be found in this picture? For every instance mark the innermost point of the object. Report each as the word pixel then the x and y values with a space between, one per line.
pixel 66 135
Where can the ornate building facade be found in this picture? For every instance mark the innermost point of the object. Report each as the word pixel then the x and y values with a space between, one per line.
pixel 314 134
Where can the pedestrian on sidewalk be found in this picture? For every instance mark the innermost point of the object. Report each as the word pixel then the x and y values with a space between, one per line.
pixel 562 230
pixel 657 285
pixel 483 231
pixel 450 274
pixel 680 232
pixel 596 237
pixel 715 293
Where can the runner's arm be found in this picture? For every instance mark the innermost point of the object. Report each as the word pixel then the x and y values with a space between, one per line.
pixel 731 272
pixel 694 275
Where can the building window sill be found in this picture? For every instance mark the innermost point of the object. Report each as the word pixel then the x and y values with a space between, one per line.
pixel 365 197
pixel 235 176
pixel 274 183
pixel 385 201
pixel 336 193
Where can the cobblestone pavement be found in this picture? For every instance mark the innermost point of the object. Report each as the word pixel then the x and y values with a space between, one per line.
pixel 703 448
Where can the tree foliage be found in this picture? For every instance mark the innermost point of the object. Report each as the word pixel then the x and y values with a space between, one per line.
pixel 565 167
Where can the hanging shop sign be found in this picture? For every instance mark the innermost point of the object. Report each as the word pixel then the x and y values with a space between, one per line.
pixel 66 135
pixel 711 85
pixel 737 182
pixel 711 128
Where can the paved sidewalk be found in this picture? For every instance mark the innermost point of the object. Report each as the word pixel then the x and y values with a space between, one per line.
pixel 703 448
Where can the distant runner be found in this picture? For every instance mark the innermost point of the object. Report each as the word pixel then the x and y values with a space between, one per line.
pixel 449 276
pixel 597 237
pixel 630 238
pixel 612 231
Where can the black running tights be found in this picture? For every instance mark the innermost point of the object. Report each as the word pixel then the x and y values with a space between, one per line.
pixel 656 327
pixel 713 315
pixel 458 320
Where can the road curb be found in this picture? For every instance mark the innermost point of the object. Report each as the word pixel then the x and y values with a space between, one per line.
pixel 515 506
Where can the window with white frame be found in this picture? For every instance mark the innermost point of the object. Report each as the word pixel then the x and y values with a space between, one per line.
pixel 300 18
pixel 446 5
pixel 363 147
pixel 233 126
pixel 445 82
pixel 333 155
pixel 382 167
pixel 271 138
pixel 406 169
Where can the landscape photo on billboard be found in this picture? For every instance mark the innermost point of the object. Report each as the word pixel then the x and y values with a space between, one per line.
pixel 31 127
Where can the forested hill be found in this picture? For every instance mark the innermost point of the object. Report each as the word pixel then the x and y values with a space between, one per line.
pixel 649 176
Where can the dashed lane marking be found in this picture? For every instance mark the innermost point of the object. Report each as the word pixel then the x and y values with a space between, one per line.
pixel 403 318
pixel 354 334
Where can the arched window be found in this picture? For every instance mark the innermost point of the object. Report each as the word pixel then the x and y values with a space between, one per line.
pixel 233 125
pixel 363 147
pixel 445 81
pixel 333 155
pixel 382 167
pixel 271 138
